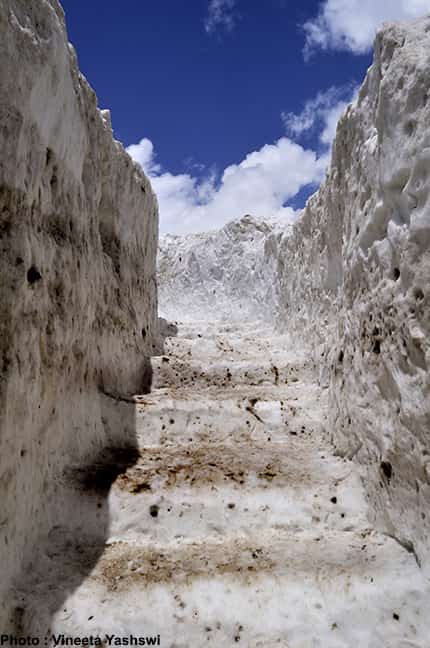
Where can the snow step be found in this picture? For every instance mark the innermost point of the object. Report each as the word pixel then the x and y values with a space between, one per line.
pixel 163 419
pixel 171 372
pixel 124 564
pixel 140 512
pixel 276 589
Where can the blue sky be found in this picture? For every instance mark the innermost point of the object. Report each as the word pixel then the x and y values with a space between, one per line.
pixel 235 100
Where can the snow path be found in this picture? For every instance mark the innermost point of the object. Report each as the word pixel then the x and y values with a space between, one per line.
pixel 238 525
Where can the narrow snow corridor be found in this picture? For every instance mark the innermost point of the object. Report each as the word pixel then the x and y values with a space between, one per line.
pixel 238 525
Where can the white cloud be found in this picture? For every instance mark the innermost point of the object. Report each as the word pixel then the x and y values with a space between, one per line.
pixel 352 24
pixel 220 14
pixel 322 112
pixel 143 153
pixel 260 184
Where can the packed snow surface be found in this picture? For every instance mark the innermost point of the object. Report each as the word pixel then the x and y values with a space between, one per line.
pixel 237 524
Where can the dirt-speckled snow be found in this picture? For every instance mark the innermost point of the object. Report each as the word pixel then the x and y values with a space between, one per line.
pixel 237 525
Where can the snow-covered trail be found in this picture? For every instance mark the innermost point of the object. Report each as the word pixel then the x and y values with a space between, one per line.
pixel 238 525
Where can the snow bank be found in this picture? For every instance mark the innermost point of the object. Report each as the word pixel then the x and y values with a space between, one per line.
pixel 354 283
pixel 78 237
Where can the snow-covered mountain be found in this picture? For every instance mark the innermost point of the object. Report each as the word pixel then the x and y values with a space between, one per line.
pixel 224 274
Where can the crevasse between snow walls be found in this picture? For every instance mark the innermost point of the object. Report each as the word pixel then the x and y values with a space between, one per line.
pixel 349 282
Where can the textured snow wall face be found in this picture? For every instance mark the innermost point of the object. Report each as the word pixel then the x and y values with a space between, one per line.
pixel 225 274
pixel 355 276
pixel 78 237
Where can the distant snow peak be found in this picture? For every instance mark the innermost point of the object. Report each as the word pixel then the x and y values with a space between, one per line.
pixel 222 274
